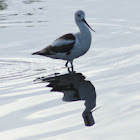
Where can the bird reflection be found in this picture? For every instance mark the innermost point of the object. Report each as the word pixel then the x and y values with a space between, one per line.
pixel 75 88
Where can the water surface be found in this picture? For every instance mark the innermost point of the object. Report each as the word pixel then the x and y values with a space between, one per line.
pixel 29 110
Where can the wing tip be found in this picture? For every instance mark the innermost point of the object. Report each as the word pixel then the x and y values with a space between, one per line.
pixel 35 53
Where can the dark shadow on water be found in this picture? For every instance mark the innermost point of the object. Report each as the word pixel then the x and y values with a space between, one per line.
pixel 3 5
pixel 74 87
pixel 13 18
pixel 30 1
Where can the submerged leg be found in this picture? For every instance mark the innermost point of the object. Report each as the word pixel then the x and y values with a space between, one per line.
pixel 67 64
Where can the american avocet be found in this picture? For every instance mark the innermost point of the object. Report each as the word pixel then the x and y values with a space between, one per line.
pixel 72 45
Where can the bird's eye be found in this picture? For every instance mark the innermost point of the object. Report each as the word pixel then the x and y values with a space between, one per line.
pixel 78 15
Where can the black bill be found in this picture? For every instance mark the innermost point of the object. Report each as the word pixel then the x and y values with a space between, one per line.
pixel 87 25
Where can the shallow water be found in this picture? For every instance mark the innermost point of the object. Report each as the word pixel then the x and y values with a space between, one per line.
pixel 29 110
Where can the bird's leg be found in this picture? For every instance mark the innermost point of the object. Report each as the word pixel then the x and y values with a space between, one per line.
pixel 69 70
pixel 71 62
pixel 71 65
pixel 67 64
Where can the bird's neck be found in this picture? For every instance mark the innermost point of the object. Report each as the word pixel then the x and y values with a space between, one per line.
pixel 83 28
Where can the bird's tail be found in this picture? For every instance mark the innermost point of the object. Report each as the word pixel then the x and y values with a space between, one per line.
pixel 36 53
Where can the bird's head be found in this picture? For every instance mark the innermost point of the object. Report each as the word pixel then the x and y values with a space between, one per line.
pixel 80 17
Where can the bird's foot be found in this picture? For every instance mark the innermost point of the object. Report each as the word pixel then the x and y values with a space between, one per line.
pixel 70 70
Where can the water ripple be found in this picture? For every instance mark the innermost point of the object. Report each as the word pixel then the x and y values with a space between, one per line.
pixel 15 69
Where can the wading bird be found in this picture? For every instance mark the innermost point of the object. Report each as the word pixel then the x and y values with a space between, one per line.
pixel 72 45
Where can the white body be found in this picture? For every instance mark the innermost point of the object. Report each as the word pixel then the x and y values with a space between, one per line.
pixel 81 46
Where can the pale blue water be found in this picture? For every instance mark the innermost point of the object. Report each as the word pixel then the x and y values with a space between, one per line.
pixel 30 111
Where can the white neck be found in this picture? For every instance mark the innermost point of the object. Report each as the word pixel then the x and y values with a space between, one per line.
pixel 83 28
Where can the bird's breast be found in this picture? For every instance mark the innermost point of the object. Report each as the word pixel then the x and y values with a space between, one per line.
pixel 85 42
